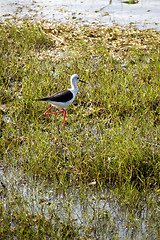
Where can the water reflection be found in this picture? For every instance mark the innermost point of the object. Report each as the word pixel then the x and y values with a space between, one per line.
pixel 99 210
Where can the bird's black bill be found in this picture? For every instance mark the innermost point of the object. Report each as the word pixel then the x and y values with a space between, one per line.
pixel 83 81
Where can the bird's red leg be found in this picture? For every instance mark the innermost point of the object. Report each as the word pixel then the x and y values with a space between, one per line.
pixel 64 111
pixel 47 111
pixel 52 112
pixel 64 120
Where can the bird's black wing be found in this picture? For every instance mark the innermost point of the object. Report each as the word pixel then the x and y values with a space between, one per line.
pixel 62 96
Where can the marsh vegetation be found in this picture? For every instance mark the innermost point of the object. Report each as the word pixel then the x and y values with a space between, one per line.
pixel 110 153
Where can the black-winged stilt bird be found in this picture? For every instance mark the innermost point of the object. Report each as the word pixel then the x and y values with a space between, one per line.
pixel 63 98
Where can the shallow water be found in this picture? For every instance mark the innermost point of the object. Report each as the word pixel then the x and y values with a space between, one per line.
pixel 101 210
pixel 144 14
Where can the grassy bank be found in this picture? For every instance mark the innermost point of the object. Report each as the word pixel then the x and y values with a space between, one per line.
pixel 112 129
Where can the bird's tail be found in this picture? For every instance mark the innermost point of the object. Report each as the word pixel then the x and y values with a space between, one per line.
pixel 42 99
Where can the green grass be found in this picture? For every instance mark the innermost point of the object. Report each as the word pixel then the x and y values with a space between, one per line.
pixel 112 128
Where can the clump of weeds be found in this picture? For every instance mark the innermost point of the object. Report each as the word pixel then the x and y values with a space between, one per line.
pixel 112 128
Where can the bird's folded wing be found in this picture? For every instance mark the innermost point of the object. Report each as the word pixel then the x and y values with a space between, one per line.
pixel 63 96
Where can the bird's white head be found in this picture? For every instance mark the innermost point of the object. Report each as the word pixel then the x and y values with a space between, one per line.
pixel 74 80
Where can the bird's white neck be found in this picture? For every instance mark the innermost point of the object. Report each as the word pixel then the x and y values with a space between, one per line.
pixel 74 87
